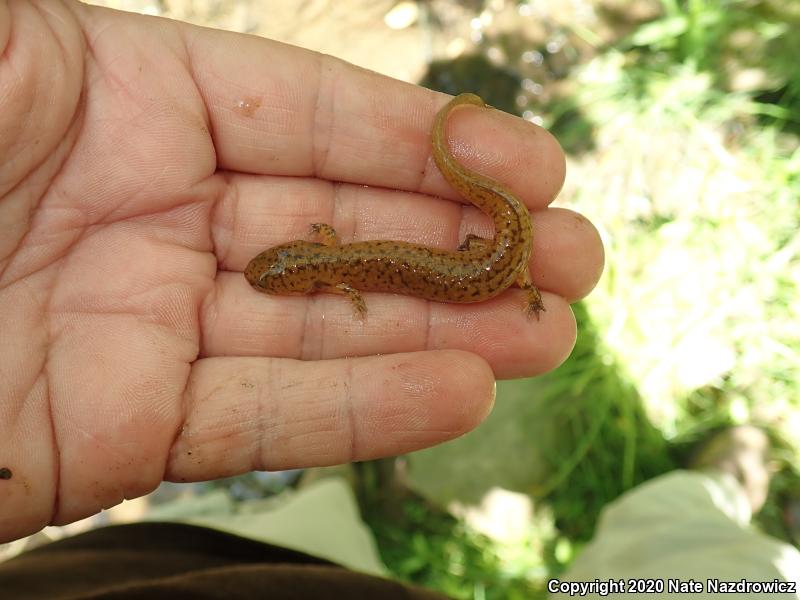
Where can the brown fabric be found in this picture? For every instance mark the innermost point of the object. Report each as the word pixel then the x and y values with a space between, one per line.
pixel 171 560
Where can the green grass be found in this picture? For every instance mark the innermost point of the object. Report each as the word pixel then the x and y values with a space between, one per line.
pixel 702 249
pixel 431 548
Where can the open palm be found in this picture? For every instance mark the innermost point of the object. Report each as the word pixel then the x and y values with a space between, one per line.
pixel 143 162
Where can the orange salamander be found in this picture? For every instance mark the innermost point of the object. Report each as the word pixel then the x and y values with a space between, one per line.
pixel 480 269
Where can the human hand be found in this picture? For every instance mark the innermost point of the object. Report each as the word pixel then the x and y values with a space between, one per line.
pixel 144 162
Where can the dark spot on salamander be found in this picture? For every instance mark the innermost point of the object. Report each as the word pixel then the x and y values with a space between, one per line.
pixel 5 473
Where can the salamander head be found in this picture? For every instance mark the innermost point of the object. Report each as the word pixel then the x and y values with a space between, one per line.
pixel 285 269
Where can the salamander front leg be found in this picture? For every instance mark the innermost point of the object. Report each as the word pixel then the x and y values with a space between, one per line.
pixel 533 302
pixel 325 233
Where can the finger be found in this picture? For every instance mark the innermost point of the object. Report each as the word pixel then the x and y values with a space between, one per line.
pixel 568 255
pixel 324 326
pixel 303 113
pixel 270 414
pixel 567 251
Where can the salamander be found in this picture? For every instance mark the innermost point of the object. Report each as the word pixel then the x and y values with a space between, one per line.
pixel 479 269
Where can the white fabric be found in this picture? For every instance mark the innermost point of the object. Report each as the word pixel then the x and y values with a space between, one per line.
pixel 682 526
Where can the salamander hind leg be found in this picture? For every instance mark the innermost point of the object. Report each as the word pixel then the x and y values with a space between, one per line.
pixel 474 242
pixel 533 299
pixel 352 293
pixel 355 298
pixel 325 233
